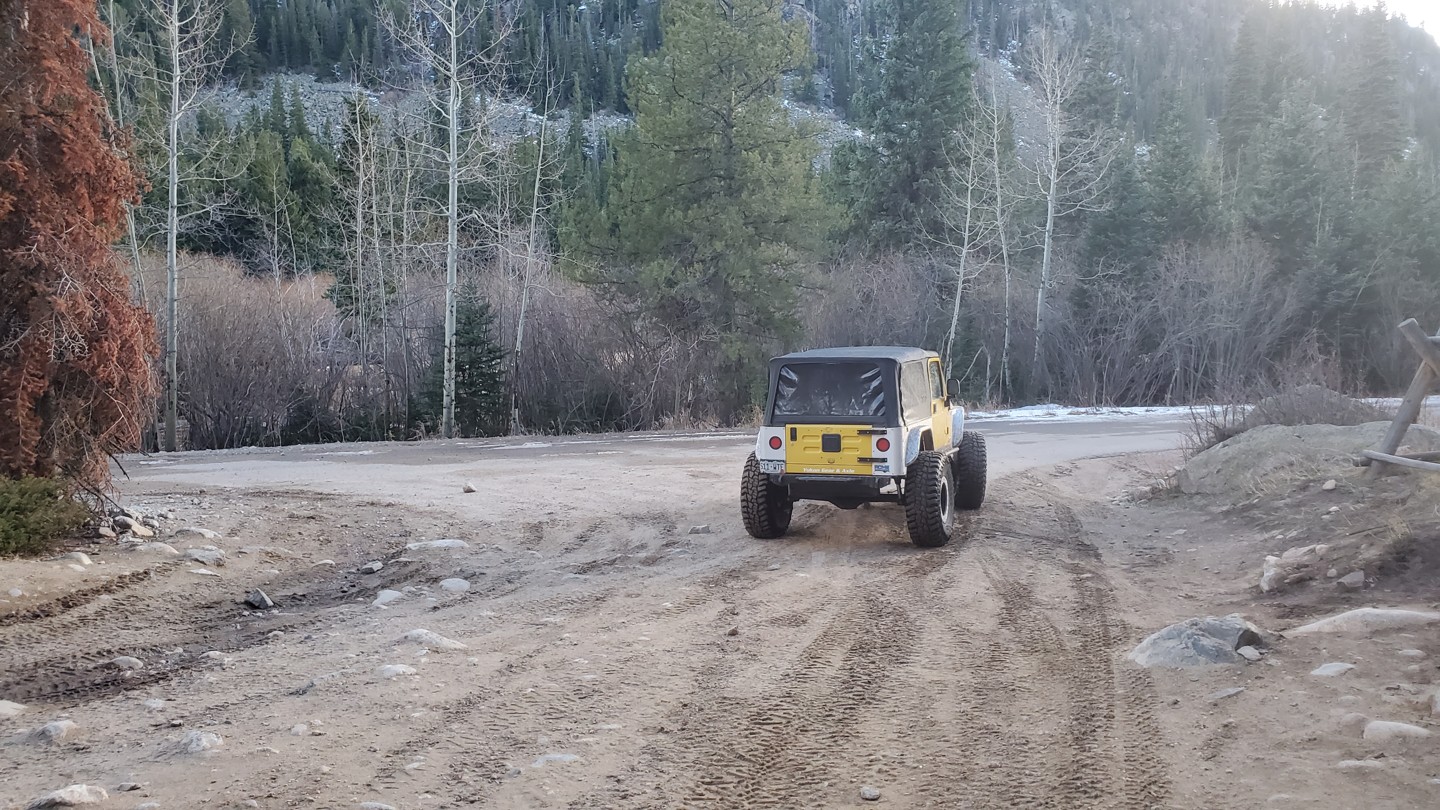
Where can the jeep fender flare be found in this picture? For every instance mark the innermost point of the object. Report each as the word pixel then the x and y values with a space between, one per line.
pixel 957 426
pixel 913 442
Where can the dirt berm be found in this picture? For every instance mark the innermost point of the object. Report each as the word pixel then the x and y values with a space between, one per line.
pixel 1274 456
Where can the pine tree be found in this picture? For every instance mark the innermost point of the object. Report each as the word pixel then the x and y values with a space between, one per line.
pixel 1244 93
pixel 480 406
pixel 75 376
pixel 1374 125
pixel 916 101
pixel 713 204
pixel 1182 198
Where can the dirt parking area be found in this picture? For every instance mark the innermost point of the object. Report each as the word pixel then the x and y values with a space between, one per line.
pixel 604 635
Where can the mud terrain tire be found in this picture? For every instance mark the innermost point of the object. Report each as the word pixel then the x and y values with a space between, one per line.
pixel 930 499
pixel 765 507
pixel 970 471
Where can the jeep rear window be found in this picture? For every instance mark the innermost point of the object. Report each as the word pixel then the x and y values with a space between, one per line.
pixel 845 390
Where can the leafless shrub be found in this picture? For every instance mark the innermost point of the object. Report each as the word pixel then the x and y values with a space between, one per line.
pixel 1299 391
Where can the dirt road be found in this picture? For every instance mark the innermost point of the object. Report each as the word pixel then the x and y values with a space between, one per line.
pixel 612 656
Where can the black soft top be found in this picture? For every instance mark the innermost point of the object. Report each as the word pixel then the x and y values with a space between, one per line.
pixel 899 354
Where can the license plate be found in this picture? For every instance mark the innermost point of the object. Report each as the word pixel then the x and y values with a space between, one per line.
pixel 772 467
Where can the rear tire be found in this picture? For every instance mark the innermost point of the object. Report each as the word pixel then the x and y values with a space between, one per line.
pixel 970 471
pixel 765 507
pixel 930 500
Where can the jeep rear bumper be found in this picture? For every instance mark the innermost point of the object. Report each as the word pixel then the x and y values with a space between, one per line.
pixel 844 491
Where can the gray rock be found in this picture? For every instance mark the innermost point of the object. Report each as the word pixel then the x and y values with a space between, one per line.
pixel 205 572
pixel 467 488
pixel 54 731
pixel 126 787
pixel 78 557
pixel 1353 581
pixel 9 709
pixel 372 567
pixel 1329 486
pixel 1359 765
pixel 209 555
pixel 1249 653
pixel 154 704
pixel 126 523
pixel 259 600
pixel 390 671
pixel 127 662
pixel 198 742
pixel 1367 620
pixel 1388 731
pixel 870 794
pixel 701 529
pixel 163 549
pixel 148 806
pixel 188 532
pixel 72 796
pixel 387 596
pixel 1197 642
pixel 436 544
pixel 1412 653
pixel 455 585
pixel 1225 693
pixel 374 806
pixel 434 641
pixel 1331 670
pixel 545 759
pixel 105 532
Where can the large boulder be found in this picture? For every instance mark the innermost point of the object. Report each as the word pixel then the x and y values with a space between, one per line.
pixel 1210 641
pixel 1245 463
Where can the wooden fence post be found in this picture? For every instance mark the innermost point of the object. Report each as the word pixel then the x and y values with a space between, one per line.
pixel 1412 404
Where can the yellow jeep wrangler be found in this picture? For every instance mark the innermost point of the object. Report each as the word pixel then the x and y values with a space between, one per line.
pixel 861 425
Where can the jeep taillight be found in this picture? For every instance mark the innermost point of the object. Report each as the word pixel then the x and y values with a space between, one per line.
pixel 775 443
pixel 882 444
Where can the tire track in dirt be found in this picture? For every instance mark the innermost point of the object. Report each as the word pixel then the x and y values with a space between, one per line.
pixel 777 749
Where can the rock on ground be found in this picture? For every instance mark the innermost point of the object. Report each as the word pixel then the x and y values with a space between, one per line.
pixel 1198 642
pixel 1353 581
pixel 372 567
pixel 209 555
pixel 374 806
pixel 1359 765
pixel 1332 669
pixel 127 662
pixel 259 600
pixel 10 709
pixel 387 596
pixel 434 641
pixel 455 585
pixel 394 671
pixel 1367 620
pixel 198 742
pixel 54 731
pixel 72 796
pixel 1387 731
pixel 870 794
pixel 155 548
pixel 195 531
pixel 436 544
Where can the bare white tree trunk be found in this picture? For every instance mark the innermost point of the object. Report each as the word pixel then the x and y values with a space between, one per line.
pixel 194 56
pixel 1070 173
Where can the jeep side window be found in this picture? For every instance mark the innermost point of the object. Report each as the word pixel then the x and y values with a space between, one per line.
pixel 915 391
pixel 937 383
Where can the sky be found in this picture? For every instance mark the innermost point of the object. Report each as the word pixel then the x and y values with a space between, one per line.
pixel 1424 13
